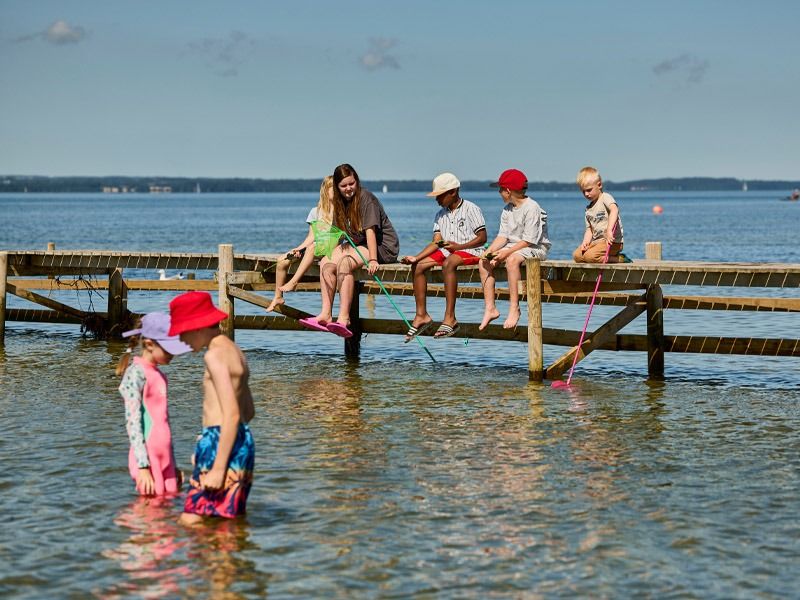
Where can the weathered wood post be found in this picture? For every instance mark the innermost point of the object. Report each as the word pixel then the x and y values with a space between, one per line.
pixel 652 250
pixel 655 332
pixel 3 274
pixel 352 345
pixel 535 350
pixel 51 246
pixel 117 303
pixel 224 269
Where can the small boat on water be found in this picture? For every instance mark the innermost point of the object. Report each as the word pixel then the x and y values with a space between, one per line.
pixel 793 197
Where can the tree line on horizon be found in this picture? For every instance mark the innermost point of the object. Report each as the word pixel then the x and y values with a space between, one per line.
pixel 127 184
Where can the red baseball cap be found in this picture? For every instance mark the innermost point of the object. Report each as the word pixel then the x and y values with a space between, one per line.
pixel 513 179
pixel 193 310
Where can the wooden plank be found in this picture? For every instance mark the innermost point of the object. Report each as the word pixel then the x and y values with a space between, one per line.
pixel 655 332
pixel 170 285
pixel 225 269
pixel 3 289
pixel 37 315
pixel 48 302
pixel 605 332
pixel 732 303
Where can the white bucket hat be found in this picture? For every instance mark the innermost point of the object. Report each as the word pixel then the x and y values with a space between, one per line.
pixel 444 183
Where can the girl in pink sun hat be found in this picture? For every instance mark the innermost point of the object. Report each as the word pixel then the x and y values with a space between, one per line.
pixel 151 460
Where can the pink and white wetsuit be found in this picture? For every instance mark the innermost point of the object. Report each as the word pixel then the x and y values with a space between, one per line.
pixel 144 389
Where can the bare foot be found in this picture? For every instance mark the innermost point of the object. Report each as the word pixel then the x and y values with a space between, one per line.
pixel 513 318
pixel 489 315
pixel 275 302
pixel 289 286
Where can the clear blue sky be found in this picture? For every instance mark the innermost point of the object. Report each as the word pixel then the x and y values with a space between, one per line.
pixel 401 90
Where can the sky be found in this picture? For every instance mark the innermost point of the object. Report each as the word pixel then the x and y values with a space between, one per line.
pixel 400 90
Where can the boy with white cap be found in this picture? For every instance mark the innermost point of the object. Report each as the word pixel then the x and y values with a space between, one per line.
pixel 523 235
pixel 459 233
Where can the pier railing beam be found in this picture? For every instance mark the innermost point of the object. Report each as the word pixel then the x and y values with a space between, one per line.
pixel 3 274
pixel 655 332
pixel 535 346
pixel 117 303
pixel 352 345
pixel 224 270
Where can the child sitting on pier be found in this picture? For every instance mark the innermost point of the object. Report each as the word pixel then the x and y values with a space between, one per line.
pixel 225 454
pixel 151 460
pixel 323 211
pixel 523 235
pixel 603 231
pixel 459 233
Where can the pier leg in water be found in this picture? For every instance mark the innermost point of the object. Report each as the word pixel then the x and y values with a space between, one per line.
pixel 565 384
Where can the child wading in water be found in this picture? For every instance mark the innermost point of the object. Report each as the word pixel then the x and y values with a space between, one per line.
pixel 323 211
pixel 225 454
pixel 151 459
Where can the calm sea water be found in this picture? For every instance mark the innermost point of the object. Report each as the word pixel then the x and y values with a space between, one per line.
pixel 395 477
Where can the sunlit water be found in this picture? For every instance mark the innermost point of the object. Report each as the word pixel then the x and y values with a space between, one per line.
pixel 396 477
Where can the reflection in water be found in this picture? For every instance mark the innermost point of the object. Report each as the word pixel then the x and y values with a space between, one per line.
pixel 220 569
pixel 145 555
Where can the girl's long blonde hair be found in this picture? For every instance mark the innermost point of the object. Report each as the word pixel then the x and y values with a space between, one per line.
pixel 325 204
pixel 133 343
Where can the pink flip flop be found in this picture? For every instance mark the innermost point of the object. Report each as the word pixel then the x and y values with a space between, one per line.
pixel 312 323
pixel 339 329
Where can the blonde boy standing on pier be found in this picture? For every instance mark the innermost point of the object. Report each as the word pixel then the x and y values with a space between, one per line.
pixel 225 454
pixel 523 235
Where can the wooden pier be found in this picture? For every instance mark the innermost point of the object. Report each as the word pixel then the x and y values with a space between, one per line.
pixel 634 287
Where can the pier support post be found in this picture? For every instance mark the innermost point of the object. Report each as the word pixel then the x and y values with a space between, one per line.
pixel 51 247
pixel 652 250
pixel 117 303
pixel 224 269
pixel 3 274
pixel 352 345
pixel 655 332
pixel 534 289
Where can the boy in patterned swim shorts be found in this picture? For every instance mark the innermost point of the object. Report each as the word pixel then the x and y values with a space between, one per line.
pixel 225 454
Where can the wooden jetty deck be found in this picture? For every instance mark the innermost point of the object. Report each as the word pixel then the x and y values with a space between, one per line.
pixel 634 287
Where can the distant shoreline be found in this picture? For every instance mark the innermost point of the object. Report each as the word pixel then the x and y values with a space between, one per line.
pixel 182 185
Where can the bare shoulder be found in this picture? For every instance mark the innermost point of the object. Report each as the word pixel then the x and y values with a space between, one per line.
pixel 223 350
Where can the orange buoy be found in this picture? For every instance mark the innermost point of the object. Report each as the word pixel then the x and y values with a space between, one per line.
pixel 657 210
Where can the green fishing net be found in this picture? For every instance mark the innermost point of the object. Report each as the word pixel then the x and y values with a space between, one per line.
pixel 326 238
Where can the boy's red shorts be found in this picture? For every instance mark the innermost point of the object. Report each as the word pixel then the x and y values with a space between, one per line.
pixel 469 259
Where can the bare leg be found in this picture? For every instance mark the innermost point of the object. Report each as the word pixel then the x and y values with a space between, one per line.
pixel 450 287
pixel 190 519
pixel 347 283
pixel 327 282
pixel 420 291
pixel 490 312
pixel 281 271
pixel 305 263
pixel 512 269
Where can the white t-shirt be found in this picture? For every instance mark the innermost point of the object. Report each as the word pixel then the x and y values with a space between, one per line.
pixel 460 225
pixel 526 222
pixel 312 215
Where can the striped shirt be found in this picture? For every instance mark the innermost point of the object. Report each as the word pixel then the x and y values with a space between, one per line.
pixel 460 225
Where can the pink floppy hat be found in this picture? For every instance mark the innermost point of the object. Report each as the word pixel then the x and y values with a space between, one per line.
pixel 193 310
pixel 155 326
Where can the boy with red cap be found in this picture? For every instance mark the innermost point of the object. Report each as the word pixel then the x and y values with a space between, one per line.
pixel 225 454
pixel 523 235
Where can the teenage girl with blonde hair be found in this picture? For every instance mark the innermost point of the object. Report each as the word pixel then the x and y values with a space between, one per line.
pixel 323 211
